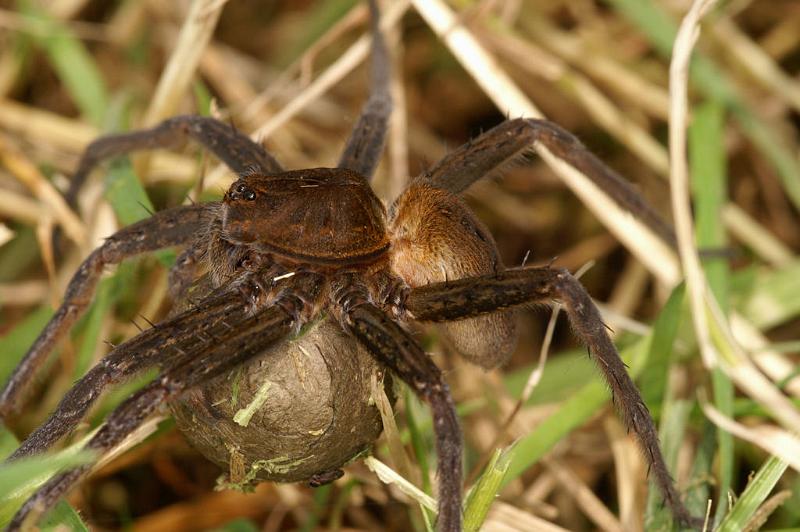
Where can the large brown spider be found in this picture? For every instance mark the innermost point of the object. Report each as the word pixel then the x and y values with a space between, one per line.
pixel 315 250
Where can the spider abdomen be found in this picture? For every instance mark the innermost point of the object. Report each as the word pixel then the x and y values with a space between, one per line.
pixel 299 409
pixel 436 238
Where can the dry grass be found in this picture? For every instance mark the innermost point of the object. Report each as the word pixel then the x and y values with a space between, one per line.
pixel 292 74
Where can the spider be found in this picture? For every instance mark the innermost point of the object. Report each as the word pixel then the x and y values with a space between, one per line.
pixel 311 262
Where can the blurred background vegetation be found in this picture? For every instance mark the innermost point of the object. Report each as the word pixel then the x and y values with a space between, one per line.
pixel 71 70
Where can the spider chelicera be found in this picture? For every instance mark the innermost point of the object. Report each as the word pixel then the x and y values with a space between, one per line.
pixel 310 262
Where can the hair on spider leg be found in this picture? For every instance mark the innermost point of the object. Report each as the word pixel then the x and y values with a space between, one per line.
pixel 139 327
pixel 145 207
pixel 150 323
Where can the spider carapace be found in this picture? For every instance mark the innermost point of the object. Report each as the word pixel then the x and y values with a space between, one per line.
pixel 319 215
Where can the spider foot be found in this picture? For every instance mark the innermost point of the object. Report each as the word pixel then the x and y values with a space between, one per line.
pixel 326 477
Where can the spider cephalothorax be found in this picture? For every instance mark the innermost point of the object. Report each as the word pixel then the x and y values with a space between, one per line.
pixel 298 290
pixel 273 214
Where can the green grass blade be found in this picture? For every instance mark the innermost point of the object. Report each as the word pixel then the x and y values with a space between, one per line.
pixel 238 525
pixel 63 517
pixel 709 190
pixel 756 492
pixel 563 376
pixel 709 187
pixel 19 479
pixel 15 344
pixel 671 430
pixel 653 381
pixel 723 400
pixel 483 493
pixel 573 413
pixel 8 442
pixel 130 201
pixel 419 443
pixel 203 98
pixel 126 194
pixel 71 61
pixel 91 325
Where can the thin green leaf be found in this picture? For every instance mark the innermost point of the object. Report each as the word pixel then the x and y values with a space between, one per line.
pixel 126 195
pixel 130 201
pixel 573 413
pixel 653 381
pixel 19 479
pixel 756 492
pixel 709 190
pixel 8 442
pixel 91 326
pixel 723 400
pixel 709 186
pixel 202 98
pixel 238 525
pixel 484 492
pixel 63 515
pixel 71 61
pixel 15 344
pixel 563 376
pixel 671 430
pixel 419 443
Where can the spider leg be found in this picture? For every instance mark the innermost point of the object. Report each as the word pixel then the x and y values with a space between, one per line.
pixel 232 147
pixel 363 149
pixel 391 345
pixel 171 340
pixel 512 139
pixel 172 227
pixel 474 296
pixel 250 336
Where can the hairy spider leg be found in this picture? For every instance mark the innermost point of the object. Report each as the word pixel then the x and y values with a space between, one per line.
pixel 184 335
pixel 473 296
pixel 365 145
pixel 391 345
pixel 231 146
pixel 507 142
pixel 172 227
pixel 249 337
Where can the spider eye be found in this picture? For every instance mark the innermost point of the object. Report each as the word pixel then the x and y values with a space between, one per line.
pixel 244 192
